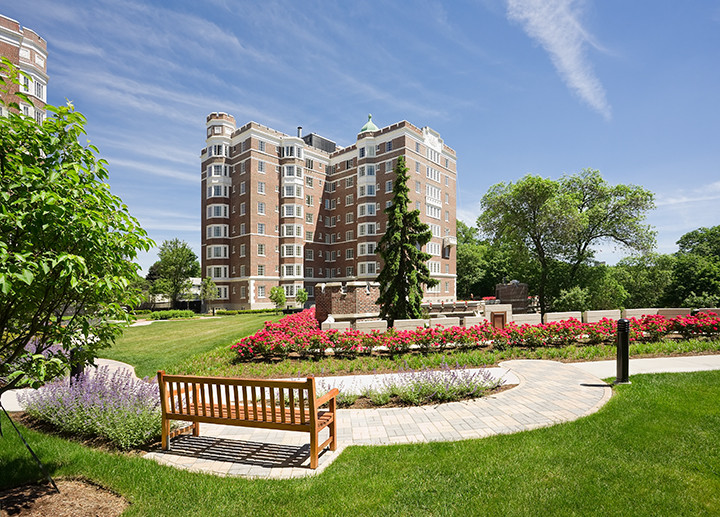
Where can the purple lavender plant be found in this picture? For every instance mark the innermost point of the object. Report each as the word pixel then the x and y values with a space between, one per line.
pixel 117 407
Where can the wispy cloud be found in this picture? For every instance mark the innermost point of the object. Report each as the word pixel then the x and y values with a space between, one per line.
pixel 154 169
pixel 555 24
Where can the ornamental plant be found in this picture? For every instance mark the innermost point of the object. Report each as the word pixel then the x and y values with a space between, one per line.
pixel 300 334
pixel 117 407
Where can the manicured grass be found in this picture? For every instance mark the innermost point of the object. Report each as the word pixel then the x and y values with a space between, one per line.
pixel 652 450
pixel 221 362
pixel 163 344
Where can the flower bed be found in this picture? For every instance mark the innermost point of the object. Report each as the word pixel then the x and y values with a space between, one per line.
pixel 299 334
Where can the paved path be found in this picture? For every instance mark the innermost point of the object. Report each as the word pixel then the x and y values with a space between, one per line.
pixel 548 393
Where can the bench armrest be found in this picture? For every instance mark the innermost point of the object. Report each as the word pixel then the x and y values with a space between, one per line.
pixel 329 395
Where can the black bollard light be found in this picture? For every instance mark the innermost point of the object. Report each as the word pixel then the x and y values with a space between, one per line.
pixel 623 352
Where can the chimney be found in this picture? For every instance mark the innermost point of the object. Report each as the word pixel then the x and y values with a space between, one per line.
pixel 299 131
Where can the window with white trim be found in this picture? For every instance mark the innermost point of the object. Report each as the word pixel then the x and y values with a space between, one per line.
pixel 261 250
pixel 217 211
pixel 217 251
pixel 261 208
pixel 433 266
pixel 433 248
pixel 217 271
pixel 433 211
pixel 433 174
pixel 289 210
pixel 218 191
pixel 261 228
pixel 366 229
pixel 216 231
pixel 261 291
pixel 367 268
pixel 261 270
pixel 222 292
pixel 366 248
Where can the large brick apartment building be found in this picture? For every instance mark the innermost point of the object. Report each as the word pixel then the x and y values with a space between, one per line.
pixel 298 211
pixel 28 51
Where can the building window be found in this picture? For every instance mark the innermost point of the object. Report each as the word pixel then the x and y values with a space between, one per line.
pixel 261 270
pixel 217 211
pixel 309 218
pixel 242 208
pixel 261 250
pixel 216 231
pixel 261 146
pixel 222 292
pixel 388 146
pixel 261 208
pixel 261 228
pixel 388 186
pixel 261 166
pixel 261 291
pixel 261 187
pixel 349 217
pixel 217 251
pixel 349 253
pixel 242 250
pixel 349 271
pixel 308 181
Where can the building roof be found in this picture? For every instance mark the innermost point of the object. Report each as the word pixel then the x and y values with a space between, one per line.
pixel 370 126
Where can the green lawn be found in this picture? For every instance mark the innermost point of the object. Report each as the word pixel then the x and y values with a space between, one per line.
pixel 164 344
pixel 652 450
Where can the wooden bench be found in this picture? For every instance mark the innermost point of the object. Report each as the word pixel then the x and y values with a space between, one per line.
pixel 269 404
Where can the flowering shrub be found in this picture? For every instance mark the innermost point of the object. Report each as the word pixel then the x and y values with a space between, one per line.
pixel 700 325
pixel 117 407
pixel 299 333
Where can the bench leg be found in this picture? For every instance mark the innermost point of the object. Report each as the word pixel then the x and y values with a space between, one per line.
pixel 196 428
pixel 165 434
pixel 333 429
pixel 314 450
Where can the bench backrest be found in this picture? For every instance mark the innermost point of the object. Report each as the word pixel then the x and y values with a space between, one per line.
pixel 228 398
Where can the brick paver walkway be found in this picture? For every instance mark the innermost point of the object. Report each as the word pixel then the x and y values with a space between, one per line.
pixel 548 393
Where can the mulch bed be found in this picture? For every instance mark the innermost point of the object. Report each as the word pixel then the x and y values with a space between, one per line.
pixel 77 498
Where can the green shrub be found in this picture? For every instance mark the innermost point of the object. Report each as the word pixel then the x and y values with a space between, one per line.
pixel 171 315
pixel 224 312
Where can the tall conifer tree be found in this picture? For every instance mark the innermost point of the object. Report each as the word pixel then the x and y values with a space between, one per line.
pixel 405 270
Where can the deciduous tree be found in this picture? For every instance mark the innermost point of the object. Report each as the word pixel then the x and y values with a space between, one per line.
pixel 560 222
pixel 177 265
pixel 67 246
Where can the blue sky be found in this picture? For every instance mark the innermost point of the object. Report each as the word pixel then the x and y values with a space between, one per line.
pixel 515 87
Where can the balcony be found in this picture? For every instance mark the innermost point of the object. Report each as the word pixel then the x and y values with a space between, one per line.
pixel 449 241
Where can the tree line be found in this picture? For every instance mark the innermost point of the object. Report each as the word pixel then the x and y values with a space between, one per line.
pixel 545 232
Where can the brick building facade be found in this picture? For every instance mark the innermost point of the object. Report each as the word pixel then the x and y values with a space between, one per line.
pixel 297 211
pixel 28 51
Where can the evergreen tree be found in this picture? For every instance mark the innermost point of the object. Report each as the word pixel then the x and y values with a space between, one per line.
pixel 405 269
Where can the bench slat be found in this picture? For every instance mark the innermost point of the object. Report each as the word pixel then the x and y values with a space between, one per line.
pixel 292 404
